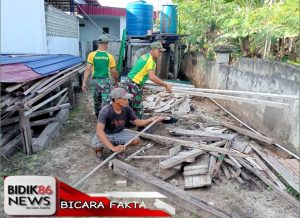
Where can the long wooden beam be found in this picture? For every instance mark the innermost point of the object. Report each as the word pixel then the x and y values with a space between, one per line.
pixel 176 195
pixel 230 98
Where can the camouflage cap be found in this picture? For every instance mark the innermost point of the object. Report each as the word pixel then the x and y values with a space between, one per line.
pixel 120 93
pixel 157 45
pixel 103 39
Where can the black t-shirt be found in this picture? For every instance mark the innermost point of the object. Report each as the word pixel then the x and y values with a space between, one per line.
pixel 115 122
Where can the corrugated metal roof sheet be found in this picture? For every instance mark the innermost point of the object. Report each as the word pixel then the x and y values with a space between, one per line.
pixel 92 9
pixel 17 73
pixel 35 66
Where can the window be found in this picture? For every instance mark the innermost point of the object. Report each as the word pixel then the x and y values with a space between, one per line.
pixel 81 25
pixel 105 30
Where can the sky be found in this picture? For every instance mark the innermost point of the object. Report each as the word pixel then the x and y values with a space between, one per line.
pixel 122 3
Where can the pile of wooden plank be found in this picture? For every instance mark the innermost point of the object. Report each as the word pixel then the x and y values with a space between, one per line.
pixel 29 109
pixel 208 155
pixel 168 102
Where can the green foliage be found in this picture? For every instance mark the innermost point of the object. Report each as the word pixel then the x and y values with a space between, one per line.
pixel 259 28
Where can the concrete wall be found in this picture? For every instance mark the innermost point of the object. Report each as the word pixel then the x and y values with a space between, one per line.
pixel 256 76
pixel 23 30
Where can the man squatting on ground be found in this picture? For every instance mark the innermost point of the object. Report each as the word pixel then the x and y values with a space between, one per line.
pixel 100 63
pixel 139 74
pixel 111 121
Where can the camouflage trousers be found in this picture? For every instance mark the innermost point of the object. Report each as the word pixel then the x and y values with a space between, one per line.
pixel 136 103
pixel 101 88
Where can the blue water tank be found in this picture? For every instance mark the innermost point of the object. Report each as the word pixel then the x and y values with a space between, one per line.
pixel 168 19
pixel 139 17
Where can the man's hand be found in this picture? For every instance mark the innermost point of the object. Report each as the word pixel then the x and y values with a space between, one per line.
pixel 83 88
pixel 118 148
pixel 168 88
pixel 159 118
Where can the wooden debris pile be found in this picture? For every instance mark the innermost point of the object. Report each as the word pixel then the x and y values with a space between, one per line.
pixel 168 102
pixel 32 111
pixel 208 155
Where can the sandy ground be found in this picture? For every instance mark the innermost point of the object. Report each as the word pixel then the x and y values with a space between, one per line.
pixel 69 158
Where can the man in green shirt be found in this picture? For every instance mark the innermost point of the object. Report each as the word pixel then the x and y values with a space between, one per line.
pixel 143 69
pixel 101 64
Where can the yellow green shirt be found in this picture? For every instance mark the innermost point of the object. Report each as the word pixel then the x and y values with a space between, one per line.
pixel 139 73
pixel 101 62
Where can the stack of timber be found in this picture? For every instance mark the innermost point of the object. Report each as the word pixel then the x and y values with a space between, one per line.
pixel 209 155
pixel 32 112
pixel 168 102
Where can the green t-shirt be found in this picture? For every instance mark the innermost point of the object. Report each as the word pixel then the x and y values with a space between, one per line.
pixel 101 61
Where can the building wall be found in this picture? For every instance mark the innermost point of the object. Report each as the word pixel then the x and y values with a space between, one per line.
pixel 62 32
pixel 23 29
pixel 90 32
pixel 256 76
pixel 122 25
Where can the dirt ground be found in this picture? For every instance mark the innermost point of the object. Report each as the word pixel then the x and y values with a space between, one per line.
pixel 69 158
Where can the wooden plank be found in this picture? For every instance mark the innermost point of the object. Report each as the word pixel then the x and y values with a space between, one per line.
pixel 185 132
pixel 45 102
pixel 200 167
pixel 8 137
pixel 43 121
pixel 36 84
pixel 175 150
pixel 249 133
pixel 226 171
pixel 188 201
pixel 281 193
pixel 196 181
pixel 10 148
pixel 15 87
pixel 166 173
pixel 50 131
pixel 236 175
pixel 71 93
pixel 220 160
pixel 48 110
pixel 269 172
pixel 151 157
pixel 284 172
pixel 25 132
pixel 179 158
pixel 212 163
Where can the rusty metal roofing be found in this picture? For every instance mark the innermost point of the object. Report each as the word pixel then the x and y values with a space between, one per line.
pixel 26 68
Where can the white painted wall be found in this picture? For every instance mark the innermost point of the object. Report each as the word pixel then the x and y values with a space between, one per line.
pixel 63 45
pixel 90 32
pixel 23 27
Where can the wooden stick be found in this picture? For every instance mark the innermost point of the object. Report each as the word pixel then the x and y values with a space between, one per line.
pixel 248 133
pixel 146 147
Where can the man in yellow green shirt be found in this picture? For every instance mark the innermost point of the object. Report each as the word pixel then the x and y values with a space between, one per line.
pixel 143 70
pixel 102 66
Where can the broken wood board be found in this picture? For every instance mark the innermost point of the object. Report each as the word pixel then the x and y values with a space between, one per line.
pixel 248 133
pixel 166 173
pixel 179 158
pixel 185 132
pixel 50 131
pixel 196 181
pixel 241 146
pixel 200 167
pixel 188 201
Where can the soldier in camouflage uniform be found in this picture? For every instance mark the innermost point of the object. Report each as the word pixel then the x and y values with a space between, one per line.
pixel 139 74
pixel 100 63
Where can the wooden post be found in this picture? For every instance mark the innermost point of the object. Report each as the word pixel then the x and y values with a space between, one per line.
pixel 71 93
pixel 176 59
pixel 25 132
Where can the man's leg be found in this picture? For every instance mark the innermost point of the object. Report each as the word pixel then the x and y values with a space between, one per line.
pixel 96 97
pixel 136 102
pixel 98 148
pixel 105 92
